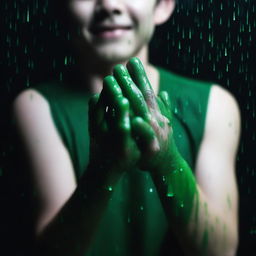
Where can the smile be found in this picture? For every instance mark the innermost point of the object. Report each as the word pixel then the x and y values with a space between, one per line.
pixel 110 32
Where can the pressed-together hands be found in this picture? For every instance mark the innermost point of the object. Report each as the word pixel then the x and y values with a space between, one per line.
pixel 128 124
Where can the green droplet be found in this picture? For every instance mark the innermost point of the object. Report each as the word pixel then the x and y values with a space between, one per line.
pixel 109 188
pixel 170 194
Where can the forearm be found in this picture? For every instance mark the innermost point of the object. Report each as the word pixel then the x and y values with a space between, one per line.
pixel 71 231
pixel 201 227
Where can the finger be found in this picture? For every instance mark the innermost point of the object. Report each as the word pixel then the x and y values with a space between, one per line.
pixel 161 106
pixel 140 78
pixel 164 96
pixel 111 89
pixel 120 123
pixel 131 91
pixel 112 96
pixel 144 135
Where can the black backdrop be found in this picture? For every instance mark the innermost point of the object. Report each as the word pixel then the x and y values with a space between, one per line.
pixel 207 40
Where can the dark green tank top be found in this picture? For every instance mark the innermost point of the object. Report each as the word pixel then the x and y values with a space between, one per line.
pixel 134 222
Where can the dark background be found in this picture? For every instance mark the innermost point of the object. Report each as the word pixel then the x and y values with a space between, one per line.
pixel 207 40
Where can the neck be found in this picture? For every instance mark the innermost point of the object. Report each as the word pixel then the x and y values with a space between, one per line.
pixel 91 76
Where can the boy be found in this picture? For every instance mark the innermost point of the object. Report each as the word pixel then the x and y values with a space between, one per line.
pixel 154 172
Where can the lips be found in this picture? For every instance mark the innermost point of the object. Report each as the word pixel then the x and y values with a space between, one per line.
pixel 109 28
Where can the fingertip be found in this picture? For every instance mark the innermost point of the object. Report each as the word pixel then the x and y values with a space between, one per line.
pixel 135 64
pixel 119 68
pixel 109 79
pixel 134 60
pixel 137 121
pixel 165 98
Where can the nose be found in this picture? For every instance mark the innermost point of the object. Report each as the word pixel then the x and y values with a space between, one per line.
pixel 110 6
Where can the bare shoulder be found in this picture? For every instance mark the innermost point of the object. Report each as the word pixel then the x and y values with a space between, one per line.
pixel 223 101
pixel 215 165
pixel 29 101
pixel 50 162
pixel 223 114
pixel 32 116
pixel 219 93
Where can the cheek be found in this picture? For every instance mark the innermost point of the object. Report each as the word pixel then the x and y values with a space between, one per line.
pixel 80 11
pixel 146 27
pixel 143 15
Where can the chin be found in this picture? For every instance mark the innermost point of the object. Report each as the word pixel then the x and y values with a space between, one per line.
pixel 116 55
pixel 113 58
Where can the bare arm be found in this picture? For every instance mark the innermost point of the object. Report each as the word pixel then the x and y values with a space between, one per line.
pixel 206 223
pixel 212 228
pixel 67 213
pixel 215 174
pixel 202 210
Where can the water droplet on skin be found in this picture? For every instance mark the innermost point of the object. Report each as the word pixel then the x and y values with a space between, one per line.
pixel 113 112
pixel 109 188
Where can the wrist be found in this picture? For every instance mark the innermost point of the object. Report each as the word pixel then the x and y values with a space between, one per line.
pixel 177 187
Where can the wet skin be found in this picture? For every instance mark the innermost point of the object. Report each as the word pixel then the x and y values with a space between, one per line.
pixel 138 125
pixel 128 115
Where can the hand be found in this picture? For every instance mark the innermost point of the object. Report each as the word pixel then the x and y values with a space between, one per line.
pixel 112 147
pixel 151 119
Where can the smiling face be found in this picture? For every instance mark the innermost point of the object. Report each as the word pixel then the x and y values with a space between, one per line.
pixel 113 30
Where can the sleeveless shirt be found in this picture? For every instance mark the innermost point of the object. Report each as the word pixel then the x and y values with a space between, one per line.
pixel 134 222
